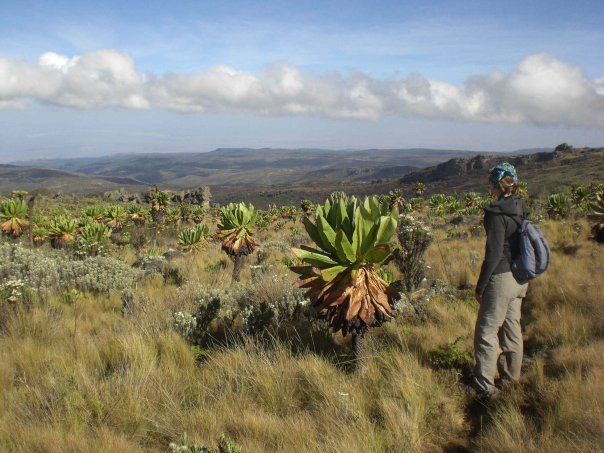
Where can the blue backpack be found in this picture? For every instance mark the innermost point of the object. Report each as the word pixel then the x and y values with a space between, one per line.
pixel 533 252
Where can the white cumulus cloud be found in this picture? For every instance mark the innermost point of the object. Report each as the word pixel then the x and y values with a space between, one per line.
pixel 540 90
pixel 55 61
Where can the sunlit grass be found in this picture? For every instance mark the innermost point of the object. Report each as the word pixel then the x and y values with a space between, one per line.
pixel 93 375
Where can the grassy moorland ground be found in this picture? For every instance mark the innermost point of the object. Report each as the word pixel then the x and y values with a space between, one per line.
pixel 106 370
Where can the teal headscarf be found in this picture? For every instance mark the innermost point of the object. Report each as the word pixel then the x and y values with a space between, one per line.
pixel 500 171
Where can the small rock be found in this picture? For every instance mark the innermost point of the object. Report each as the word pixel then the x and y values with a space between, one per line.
pixel 172 254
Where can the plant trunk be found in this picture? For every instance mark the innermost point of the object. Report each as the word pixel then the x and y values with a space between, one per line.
pixel 237 265
pixel 30 216
pixel 158 216
pixel 359 351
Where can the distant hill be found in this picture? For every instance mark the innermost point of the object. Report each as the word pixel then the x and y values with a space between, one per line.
pixel 253 167
pixel 265 176
pixel 545 172
pixel 13 177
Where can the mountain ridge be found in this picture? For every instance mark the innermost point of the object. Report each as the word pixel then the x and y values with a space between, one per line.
pixel 290 177
pixel 250 166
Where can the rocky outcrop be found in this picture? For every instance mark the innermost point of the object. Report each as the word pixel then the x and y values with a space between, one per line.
pixel 451 168
pixel 201 196
pixel 122 196
pixel 461 173
pixel 563 147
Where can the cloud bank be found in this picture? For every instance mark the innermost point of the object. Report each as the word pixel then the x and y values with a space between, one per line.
pixel 541 90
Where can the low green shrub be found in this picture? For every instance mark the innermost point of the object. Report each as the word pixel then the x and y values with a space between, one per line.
pixel 414 238
pixel 55 271
pixel 268 303
pixel 224 445
pixel 451 357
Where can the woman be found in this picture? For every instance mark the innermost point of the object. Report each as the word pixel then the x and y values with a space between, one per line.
pixel 497 291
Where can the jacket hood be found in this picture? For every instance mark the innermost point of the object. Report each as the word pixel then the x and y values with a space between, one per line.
pixel 508 206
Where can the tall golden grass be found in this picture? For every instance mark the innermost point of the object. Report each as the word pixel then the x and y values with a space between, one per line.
pixel 88 376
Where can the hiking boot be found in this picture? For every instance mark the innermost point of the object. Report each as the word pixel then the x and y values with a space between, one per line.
pixel 471 392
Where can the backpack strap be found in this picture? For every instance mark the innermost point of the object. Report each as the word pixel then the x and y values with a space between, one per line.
pixel 517 218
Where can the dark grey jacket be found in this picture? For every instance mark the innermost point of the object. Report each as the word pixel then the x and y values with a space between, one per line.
pixel 502 238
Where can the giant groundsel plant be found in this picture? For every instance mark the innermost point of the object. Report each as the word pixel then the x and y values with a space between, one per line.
pixel 341 272
pixel 235 228
pixel 13 213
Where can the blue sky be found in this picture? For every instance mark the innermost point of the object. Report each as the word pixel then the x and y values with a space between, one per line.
pixel 82 79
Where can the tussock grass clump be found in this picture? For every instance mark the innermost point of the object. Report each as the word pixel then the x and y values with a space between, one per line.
pixel 140 389
pixel 559 415
pixel 565 305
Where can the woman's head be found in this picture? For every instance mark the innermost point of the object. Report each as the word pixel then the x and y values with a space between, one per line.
pixel 503 180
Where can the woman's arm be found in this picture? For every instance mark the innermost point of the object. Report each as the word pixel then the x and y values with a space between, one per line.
pixel 495 228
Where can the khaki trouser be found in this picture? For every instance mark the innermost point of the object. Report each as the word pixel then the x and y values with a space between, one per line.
pixel 498 326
